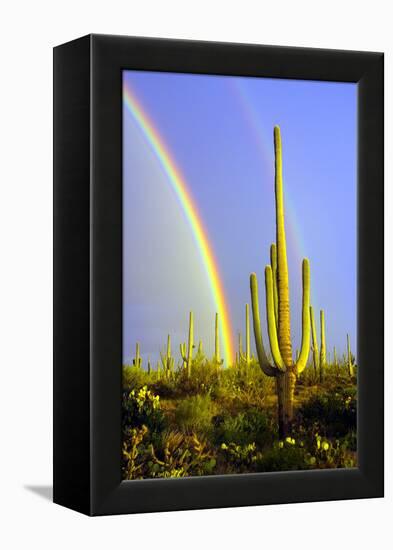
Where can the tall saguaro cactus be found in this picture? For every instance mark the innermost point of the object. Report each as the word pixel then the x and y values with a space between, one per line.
pixel 187 355
pixel 283 368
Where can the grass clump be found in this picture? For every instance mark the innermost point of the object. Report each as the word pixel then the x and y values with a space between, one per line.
pixel 244 428
pixel 195 413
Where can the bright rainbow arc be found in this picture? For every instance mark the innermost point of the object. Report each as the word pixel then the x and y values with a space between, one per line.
pixel 179 186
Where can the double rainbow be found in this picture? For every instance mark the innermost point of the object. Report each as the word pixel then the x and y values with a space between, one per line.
pixel 183 194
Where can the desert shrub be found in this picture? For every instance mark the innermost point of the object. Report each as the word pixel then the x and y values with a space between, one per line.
pixel 332 375
pixel 165 387
pixel 283 456
pixel 204 378
pixel 134 453
pixel 333 411
pixel 142 408
pixel 194 414
pixel 246 427
pixel 246 386
pixel 181 455
pixel 308 377
pixel 333 453
pixel 349 442
pixel 239 458
pixel 134 378
pixel 175 455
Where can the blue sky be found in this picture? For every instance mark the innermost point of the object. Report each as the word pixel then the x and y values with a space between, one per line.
pixel 219 131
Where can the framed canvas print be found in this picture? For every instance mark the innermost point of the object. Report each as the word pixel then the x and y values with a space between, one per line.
pixel 218 275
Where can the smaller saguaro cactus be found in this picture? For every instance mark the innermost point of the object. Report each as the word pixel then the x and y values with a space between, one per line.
pixel 200 355
pixel 240 343
pixel 187 355
pixel 217 359
pixel 148 367
pixel 349 357
pixel 315 348
pixel 167 360
pixel 273 262
pixel 245 358
pixel 322 357
pixel 158 371
pixel 137 361
pixel 335 357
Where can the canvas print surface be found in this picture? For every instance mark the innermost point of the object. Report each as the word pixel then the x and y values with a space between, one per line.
pixel 239 275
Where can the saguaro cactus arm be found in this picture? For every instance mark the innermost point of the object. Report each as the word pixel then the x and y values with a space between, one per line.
pixel 273 263
pixel 315 349
pixel 183 352
pixel 267 368
pixel 271 320
pixel 305 347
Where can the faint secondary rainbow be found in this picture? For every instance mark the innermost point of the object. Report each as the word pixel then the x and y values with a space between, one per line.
pixel 183 194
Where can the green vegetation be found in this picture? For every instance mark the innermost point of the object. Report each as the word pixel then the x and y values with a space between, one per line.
pixel 259 414
pixel 225 422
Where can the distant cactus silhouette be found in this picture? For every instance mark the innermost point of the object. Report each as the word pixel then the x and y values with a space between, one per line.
pixel 322 356
pixel 319 355
pixel 200 355
pixel 245 358
pixel 283 368
pixel 187 355
pixel 349 357
pixel 335 357
pixel 167 360
pixel 137 361
pixel 217 359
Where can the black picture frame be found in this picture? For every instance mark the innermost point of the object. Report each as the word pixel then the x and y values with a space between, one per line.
pixel 88 274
